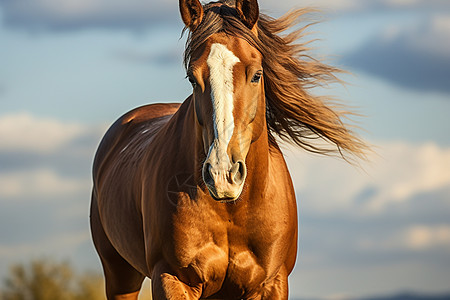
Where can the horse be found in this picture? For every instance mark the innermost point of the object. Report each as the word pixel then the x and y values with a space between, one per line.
pixel 197 196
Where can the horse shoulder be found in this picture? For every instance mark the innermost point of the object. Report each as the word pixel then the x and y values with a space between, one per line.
pixel 119 130
pixel 116 176
pixel 280 181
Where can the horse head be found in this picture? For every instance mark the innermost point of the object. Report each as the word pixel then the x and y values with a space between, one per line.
pixel 225 71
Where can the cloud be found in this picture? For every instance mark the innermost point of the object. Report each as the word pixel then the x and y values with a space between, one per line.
pixel 358 225
pixel 416 57
pixel 55 245
pixel 44 158
pixel 420 237
pixel 70 15
pixel 43 183
pixel 435 5
pixel 356 6
pixel 380 220
pixel 408 171
pixel 26 132
pixel 45 146
pixel 399 203
pixel 54 15
pixel 162 58
pixel 395 174
pixel 415 238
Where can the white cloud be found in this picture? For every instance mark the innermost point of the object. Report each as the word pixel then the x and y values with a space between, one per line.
pixel 395 174
pixel 433 37
pixel 53 245
pixel 40 183
pixel 44 158
pixel 29 133
pixel 392 217
pixel 422 237
pixel 429 36
pixel 412 238
pixel 407 170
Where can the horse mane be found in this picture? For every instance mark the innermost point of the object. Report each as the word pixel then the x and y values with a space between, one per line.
pixel 292 113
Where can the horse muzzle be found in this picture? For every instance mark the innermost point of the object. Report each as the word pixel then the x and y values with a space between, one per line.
pixel 224 184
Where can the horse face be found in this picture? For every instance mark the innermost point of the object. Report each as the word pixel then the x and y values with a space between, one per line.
pixel 228 94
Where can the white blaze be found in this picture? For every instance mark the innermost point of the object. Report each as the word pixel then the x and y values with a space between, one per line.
pixel 221 62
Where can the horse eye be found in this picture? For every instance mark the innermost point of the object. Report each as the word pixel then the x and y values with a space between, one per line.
pixel 192 80
pixel 256 77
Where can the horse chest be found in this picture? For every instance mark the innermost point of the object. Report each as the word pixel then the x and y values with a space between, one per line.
pixel 220 254
pixel 236 271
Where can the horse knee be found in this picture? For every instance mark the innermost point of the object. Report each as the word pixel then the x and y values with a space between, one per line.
pixel 165 285
pixel 129 296
pixel 277 288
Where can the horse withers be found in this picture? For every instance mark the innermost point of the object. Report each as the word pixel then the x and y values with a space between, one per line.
pixel 197 196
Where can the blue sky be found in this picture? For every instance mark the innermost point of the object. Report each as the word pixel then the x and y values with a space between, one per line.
pixel 69 68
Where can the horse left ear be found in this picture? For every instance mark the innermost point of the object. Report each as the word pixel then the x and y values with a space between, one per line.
pixel 191 13
pixel 248 11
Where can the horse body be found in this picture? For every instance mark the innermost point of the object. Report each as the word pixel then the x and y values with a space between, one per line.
pixel 225 250
pixel 198 196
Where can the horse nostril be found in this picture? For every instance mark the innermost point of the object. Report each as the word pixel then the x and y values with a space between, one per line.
pixel 238 172
pixel 207 176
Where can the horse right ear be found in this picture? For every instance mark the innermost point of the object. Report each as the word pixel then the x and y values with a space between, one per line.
pixel 191 13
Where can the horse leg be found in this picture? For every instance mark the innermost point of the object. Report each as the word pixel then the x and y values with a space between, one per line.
pixel 277 288
pixel 165 285
pixel 122 281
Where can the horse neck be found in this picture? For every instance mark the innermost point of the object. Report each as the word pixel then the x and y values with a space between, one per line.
pixel 257 162
pixel 188 140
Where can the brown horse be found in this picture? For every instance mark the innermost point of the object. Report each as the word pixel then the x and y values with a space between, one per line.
pixel 197 196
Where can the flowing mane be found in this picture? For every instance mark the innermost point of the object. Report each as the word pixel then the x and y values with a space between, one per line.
pixel 292 113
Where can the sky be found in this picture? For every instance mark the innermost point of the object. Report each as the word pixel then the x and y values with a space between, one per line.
pixel 69 68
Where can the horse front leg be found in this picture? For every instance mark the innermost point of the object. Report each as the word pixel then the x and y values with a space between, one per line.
pixel 166 285
pixel 277 288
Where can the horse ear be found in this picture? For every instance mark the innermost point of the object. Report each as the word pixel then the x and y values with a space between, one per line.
pixel 191 13
pixel 248 11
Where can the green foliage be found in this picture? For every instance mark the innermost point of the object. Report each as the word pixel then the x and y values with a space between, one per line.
pixel 90 286
pixel 49 280
pixel 46 280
